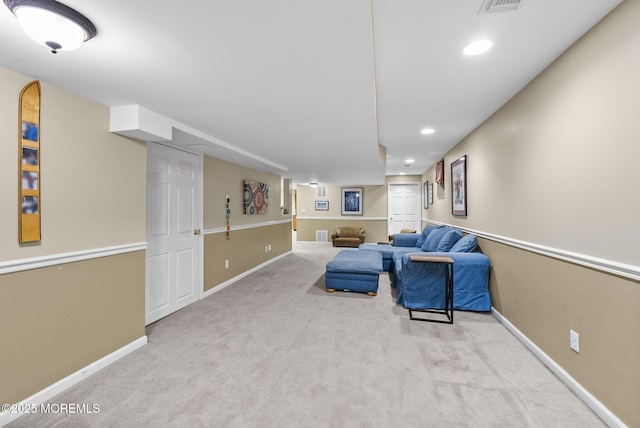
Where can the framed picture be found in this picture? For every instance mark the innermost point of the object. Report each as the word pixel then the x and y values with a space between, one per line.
pixel 425 194
pixel 459 186
pixel 352 201
pixel 29 131
pixel 440 172
pixel 255 198
pixel 29 180
pixel 29 205
pixel 29 156
pixel 431 193
pixel 322 205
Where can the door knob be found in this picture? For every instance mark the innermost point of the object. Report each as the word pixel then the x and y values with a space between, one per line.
pixel 196 231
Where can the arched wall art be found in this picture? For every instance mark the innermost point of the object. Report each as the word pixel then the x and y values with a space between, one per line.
pixel 29 180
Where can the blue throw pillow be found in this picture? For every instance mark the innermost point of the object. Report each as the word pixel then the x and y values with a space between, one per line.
pixel 432 241
pixel 448 240
pixel 425 233
pixel 467 244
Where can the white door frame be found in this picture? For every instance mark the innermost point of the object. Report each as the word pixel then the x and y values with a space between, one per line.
pixel 418 202
pixel 199 199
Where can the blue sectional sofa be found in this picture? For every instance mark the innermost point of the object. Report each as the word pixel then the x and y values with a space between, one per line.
pixel 421 285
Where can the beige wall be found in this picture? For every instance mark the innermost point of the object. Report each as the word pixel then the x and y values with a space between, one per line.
pixel 374 211
pixel 223 178
pixel 58 320
pixel 245 249
pixel 92 182
pixel 545 298
pixel 556 167
pixel 375 230
pixel 250 234
pixel 374 202
pixel 61 318
pixel 561 156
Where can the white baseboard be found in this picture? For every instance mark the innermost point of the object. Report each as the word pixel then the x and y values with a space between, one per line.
pixel 242 275
pixel 71 380
pixel 594 404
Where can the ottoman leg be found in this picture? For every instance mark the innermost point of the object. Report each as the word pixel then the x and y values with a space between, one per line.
pixel 371 293
pixel 330 290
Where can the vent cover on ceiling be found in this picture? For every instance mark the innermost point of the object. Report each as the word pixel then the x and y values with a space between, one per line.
pixel 495 6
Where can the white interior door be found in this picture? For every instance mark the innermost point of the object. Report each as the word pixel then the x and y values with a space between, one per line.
pixel 173 231
pixel 404 207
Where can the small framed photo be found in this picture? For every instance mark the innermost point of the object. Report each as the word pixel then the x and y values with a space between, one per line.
pixel 425 194
pixel 29 205
pixel 29 180
pixel 322 205
pixel 431 193
pixel 29 131
pixel 352 201
pixel 459 186
pixel 29 156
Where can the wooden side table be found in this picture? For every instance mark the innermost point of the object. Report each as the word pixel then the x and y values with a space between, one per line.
pixel 448 289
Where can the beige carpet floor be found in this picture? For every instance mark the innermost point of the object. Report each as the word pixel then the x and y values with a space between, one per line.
pixel 276 350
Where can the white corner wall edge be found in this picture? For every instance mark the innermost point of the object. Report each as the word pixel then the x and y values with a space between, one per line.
pixel 594 404
pixel 51 391
pixel 138 122
pixel 237 278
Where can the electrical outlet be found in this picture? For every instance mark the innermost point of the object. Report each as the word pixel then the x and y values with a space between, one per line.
pixel 574 341
pixel 269 246
pixel 226 264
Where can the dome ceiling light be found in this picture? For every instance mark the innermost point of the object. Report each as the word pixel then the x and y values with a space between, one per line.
pixel 52 24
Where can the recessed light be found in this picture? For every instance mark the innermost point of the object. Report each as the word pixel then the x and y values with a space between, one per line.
pixel 427 131
pixel 409 161
pixel 477 47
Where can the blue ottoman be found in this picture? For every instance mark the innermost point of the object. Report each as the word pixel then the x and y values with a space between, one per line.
pixel 354 270
pixel 385 249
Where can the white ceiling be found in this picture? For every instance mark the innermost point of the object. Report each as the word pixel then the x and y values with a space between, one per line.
pixel 292 87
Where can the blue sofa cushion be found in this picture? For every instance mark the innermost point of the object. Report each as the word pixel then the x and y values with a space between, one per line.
pixel 421 285
pixel 425 232
pixel 433 239
pixel 405 239
pixel 448 240
pixel 354 261
pixel 385 249
pixel 467 244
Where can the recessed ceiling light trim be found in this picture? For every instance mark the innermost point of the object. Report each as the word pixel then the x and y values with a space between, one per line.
pixel 52 23
pixel 427 131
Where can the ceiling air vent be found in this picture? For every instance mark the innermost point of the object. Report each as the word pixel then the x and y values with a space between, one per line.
pixel 495 6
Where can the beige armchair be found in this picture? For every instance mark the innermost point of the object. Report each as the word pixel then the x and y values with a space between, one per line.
pixel 348 237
